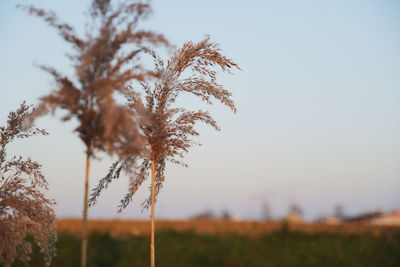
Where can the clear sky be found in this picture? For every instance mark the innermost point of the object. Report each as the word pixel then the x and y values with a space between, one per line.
pixel 318 99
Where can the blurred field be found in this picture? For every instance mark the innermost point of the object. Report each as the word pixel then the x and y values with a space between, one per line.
pixel 121 228
pixel 212 243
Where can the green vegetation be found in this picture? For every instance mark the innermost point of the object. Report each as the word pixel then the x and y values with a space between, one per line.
pixel 190 249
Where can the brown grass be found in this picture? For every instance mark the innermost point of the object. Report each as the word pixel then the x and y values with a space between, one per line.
pixel 121 228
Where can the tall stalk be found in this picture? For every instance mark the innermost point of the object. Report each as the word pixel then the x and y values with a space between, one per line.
pixel 102 69
pixel 169 130
pixel 84 220
pixel 152 252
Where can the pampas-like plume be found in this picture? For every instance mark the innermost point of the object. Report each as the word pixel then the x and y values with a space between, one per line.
pixel 169 130
pixel 103 67
pixel 24 209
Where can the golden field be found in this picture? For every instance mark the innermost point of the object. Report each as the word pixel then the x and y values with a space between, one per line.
pixel 121 228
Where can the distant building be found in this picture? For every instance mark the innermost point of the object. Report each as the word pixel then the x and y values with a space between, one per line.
pixel 332 220
pixel 294 217
pixel 365 218
pixel 388 219
pixel 237 218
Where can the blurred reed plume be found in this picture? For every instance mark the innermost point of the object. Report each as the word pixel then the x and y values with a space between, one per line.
pixel 103 63
pixel 24 209
pixel 169 130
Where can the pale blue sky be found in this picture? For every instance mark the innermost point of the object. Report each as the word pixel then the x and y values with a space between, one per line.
pixel 318 99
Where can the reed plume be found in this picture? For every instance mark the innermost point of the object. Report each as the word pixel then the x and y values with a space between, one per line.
pixel 168 129
pixel 24 209
pixel 103 65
